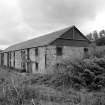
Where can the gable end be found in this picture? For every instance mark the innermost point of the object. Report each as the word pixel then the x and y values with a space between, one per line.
pixel 72 37
pixel 73 34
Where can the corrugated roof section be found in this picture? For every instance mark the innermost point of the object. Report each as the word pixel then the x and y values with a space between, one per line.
pixel 39 41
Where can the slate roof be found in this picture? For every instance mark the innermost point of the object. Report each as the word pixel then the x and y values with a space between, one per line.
pixel 39 41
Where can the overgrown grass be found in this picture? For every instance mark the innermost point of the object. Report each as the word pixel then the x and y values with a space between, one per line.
pixel 26 95
pixel 71 82
pixel 87 73
pixel 21 95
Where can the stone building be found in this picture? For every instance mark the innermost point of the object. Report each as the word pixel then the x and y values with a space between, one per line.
pixel 39 54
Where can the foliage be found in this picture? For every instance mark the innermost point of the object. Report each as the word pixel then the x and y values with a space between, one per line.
pixel 96 35
pixel 100 41
pixel 89 36
pixel 87 73
pixel 99 53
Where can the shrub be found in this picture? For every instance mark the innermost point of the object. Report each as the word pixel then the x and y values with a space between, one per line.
pixel 87 73
pixel 99 53
pixel 100 41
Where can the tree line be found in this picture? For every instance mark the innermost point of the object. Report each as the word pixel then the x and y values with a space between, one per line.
pixel 96 35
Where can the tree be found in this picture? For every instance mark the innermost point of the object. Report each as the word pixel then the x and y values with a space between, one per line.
pixel 100 41
pixel 95 35
pixel 89 36
pixel 102 33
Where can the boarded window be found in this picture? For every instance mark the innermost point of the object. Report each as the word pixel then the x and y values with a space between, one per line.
pixel 36 51
pixel 59 51
pixel 36 66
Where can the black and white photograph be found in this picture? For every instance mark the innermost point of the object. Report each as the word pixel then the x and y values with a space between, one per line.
pixel 52 52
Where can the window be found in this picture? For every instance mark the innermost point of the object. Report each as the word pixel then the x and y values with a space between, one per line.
pixel 36 66
pixel 86 53
pixel 36 51
pixel 59 51
pixel 85 49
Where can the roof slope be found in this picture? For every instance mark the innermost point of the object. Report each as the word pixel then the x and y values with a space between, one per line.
pixel 39 41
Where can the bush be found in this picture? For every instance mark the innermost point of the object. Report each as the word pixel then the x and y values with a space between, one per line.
pixel 100 42
pixel 87 73
pixel 99 53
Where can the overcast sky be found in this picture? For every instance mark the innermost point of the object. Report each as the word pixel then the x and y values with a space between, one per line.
pixel 24 19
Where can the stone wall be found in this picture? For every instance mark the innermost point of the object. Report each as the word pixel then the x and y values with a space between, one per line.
pixel 24 59
pixel 40 59
pixel 12 59
pixel 45 59
pixel 32 60
pixel 50 56
pixel 5 59
pixel 68 52
pixel 0 59
pixel 18 60
pixel 73 52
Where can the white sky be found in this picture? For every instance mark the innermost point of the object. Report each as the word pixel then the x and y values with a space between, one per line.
pixel 24 19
